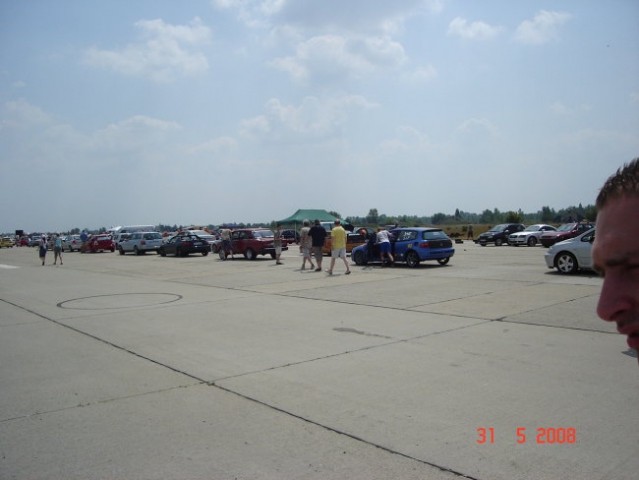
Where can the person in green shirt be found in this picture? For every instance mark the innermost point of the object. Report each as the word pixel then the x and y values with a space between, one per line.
pixel 338 246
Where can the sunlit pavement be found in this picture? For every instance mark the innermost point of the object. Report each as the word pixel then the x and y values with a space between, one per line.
pixel 143 367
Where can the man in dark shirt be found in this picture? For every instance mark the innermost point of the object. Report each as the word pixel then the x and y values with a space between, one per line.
pixel 318 234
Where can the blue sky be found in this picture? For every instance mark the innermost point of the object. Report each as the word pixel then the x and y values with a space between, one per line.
pixel 209 111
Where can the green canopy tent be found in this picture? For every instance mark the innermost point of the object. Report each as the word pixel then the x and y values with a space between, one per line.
pixel 307 214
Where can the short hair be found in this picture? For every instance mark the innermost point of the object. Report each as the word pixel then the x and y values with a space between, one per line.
pixel 306 223
pixel 337 221
pixel 317 222
pixel 625 182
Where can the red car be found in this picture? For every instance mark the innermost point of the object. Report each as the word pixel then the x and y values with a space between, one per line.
pixel 252 242
pixel 566 231
pixel 98 243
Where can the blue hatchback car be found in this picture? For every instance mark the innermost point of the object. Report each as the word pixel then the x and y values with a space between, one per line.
pixel 410 245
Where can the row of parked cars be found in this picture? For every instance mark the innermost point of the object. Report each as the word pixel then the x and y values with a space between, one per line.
pixel 516 234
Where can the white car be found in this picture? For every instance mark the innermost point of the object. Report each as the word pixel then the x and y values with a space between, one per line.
pixel 530 235
pixel 71 243
pixel 573 254
pixel 140 243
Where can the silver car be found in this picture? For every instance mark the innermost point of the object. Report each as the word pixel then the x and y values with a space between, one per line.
pixel 530 235
pixel 573 254
pixel 140 243
pixel 71 243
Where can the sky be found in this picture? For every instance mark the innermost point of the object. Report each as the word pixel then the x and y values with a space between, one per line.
pixel 125 112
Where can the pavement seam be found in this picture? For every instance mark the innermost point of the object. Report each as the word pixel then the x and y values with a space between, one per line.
pixel 343 433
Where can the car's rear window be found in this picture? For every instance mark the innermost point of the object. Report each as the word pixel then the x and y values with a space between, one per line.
pixel 152 236
pixel 433 235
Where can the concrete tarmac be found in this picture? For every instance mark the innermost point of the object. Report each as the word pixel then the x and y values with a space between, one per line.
pixel 141 367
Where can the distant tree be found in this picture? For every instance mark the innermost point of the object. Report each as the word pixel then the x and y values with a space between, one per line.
pixel 514 217
pixel 438 218
pixel 335 214
pixel 547 214
pixel 486 216
pixel 372 217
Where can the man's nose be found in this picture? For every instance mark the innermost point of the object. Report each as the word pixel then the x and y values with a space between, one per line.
pixel 614 299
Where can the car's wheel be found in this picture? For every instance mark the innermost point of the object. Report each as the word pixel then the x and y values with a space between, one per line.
pixel 359 257
pixel 498 242
pixel 443 261
pixel 412 259
pixel 121 250
pixel 532 241
pixel 136 250
pixel 205 253
pixel 162 252
pixel 250 254
pixel 566 263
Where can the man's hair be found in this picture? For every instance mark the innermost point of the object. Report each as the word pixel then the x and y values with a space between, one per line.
pixel 337 222
pixel 623 183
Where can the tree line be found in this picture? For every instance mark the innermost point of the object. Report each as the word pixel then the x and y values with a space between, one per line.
pixel 488 217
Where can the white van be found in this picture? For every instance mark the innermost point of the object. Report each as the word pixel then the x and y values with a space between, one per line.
pixel 124 231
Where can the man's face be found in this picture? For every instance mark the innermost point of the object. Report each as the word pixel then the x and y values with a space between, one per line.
pixel 616 257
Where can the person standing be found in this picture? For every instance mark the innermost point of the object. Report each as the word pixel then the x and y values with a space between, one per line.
pixel 306 243
pixel 42 248
pixel 338 247
pixel 57 249
pixel 227 245
pixel 615 251
pixel 318 236
pixel 471 234
pixel 277 243
pixel 383 241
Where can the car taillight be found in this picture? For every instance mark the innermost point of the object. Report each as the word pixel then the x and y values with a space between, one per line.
pixel 424 245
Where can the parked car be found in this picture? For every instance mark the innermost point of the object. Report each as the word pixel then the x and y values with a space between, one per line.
pixel 34 241
pixel 410 245
pixel 71 243
pixel 290 236
pixel 183 244
pixel 353 239
pixel 530 235
pixel 499 234
pixel 98 243
pixel 204 235
pixel 6 242
pixel 140 243
pixel 564 232
pixel 252 242
pixel 571 255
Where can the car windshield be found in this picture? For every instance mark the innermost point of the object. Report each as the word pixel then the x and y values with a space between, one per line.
pixel 499 228
pixel 263 233
pixel 566 227
pixel 532 228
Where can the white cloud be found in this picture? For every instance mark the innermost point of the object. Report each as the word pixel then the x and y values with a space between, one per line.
pixel 559 108
pixel 167 51
pixel 336 57
pixel 541 29
pixel 472 31
pixel 420 74
pixel 313 119
pixel 214 146
pixel 336 15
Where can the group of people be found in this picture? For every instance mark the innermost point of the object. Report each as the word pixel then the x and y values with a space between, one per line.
pixel 312 242
pixel 43 247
